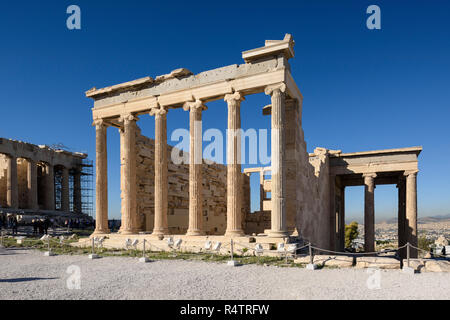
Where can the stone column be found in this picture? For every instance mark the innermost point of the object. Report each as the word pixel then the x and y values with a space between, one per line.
pixel 101 179
pixel 278 181
pixel 77 208
pixel 161 183
pixel 342 220
pixel 195 168
pixel 234 183
pixel 65 204
pixel 128 163
pixel 411 210
pixel 32 185
pixel 12 188
pixel 401 215
pixel 369 212
pixel 49 187
pixel 261 190
pixel 333 222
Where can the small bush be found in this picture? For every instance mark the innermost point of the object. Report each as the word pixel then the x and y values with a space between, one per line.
pixel 351 233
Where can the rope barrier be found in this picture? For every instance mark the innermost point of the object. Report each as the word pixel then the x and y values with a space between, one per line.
pixel 358 253
pixel 433 254
pixel 236 246
pixel 264 250
pixel 418 248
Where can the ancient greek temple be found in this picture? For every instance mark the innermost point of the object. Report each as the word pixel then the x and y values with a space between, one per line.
pixel 200 199
pixel 39 179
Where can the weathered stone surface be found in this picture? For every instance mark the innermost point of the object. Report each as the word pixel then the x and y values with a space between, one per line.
pixel 416 264
pixel 328 261
pixel 437 266
pixel 377 262
pixel 177 73
pixel 234 175
pixel 278 169
pixel 214 178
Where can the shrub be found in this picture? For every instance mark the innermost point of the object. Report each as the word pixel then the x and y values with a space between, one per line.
pixel 424 243
pixel 351 233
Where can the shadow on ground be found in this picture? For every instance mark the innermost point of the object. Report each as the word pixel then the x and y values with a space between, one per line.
pixel 24 279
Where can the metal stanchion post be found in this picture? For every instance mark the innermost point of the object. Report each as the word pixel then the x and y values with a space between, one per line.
pixel 144 259
pixel 407 269
pixel 285 251
pixel 49 252
pixel 407 253
pixel 93 255
pixel 232 262
pixel 311 265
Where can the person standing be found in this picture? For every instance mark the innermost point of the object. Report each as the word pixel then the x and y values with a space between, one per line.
pixel 46 225
pixel 14 225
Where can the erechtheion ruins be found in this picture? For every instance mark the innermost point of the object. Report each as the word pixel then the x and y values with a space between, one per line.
pixel 212 200
pixel 40 180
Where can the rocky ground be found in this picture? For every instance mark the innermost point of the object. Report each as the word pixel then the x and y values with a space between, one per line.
pixel 27 274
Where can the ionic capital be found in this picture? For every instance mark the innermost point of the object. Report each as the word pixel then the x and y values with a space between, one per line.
pixel 127 117
pixel 194 106
pixel 280 87
pixel 99 123
pixel 369 175
pixel 237 96
pixel 412 173
pixel 161 111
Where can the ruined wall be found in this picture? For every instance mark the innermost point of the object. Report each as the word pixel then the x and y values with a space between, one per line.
pixel 257 222
pixel 307 183
pixel 214 191
pixel 318 229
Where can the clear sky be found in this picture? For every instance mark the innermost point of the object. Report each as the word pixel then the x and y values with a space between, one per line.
pixel 363 89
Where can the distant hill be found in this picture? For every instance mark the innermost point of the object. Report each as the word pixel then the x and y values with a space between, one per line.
pixel 440 218
pixel 421 219
pixel 434 219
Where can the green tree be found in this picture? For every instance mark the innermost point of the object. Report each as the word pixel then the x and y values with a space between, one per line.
pixel 351 233
pixel 424 243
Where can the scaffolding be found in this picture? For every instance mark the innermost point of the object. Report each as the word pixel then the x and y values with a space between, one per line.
pixel 84 188
pixel 87 187
pixel 58 188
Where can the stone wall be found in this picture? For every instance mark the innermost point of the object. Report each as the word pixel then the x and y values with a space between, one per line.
pixel 257 222
pixel 214 191
pixel 307 182
pixel 316 218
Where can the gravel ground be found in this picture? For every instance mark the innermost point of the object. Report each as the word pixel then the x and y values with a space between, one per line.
pixel 27 274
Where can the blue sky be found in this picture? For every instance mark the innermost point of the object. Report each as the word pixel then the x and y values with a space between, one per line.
pixel 363 89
